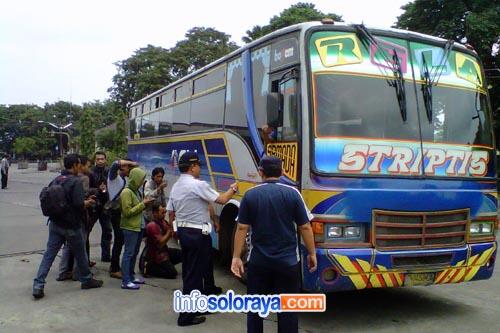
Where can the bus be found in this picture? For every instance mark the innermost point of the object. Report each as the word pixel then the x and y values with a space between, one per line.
pixel 387 134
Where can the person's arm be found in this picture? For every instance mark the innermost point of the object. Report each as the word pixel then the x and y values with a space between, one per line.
pixel 302 218
pixel 113 171
pixel 226 196
pixel 148 189
pixel 213 217
pixel 239 240
pixel 306 233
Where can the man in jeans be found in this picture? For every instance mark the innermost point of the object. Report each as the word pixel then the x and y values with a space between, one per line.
pixel 68 228
pixel 274 212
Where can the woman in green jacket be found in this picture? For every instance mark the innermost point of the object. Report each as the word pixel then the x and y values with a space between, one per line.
pixel 132 223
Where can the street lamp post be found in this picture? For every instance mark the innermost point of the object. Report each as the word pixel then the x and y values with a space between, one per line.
pixel 60 132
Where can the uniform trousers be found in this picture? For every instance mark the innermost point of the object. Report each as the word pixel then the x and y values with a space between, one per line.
pixel 196 257
pixel 270 280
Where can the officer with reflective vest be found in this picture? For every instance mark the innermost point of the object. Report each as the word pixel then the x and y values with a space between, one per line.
pixel 188 203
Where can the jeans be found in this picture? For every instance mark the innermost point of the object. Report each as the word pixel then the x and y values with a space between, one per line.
pixel 57 237
pixel 67 258
pixel 262 280
pixel 132 240
pixel 115 217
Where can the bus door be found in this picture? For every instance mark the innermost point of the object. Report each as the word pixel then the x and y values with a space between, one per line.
pixel 282 138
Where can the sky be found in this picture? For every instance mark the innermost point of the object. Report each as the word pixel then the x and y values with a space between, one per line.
pixel 65 50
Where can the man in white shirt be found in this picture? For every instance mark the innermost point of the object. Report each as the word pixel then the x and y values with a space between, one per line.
pixel 189 201
pixel 5 170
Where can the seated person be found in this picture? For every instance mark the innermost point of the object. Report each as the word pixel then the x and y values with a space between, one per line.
pixel 160 259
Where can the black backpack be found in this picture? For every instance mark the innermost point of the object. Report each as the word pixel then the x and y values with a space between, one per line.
pixel 53 200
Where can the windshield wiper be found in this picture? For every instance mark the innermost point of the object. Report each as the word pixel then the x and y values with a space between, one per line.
pixel 431 77
pixel 427 89
pixel 398 81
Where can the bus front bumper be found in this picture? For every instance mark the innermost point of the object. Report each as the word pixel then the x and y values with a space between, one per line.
pixel 350 269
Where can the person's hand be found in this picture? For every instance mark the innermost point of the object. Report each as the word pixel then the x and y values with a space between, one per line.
pixel 89 202
pixel 162 186
pixel 148 200
pixel 234 187
pixel 237 267
pixel 312 263
pixel 103 187
pixel 216 226
pixel 267 129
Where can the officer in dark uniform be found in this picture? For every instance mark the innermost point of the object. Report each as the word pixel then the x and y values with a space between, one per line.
pixel 189 200
pixel 273 211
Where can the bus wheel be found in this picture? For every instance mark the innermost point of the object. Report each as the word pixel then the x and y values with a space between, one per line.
pixel 227 222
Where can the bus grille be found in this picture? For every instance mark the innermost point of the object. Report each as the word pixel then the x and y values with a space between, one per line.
pixel 419 230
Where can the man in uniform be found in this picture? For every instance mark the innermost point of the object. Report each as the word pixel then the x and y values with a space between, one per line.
pixel 189 200
pixel 273 211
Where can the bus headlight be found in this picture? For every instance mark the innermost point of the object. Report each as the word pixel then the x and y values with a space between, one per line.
pixel 481 228
pixel 334 232
pixel 352 232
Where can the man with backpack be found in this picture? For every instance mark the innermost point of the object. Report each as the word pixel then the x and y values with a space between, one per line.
pixel 64 203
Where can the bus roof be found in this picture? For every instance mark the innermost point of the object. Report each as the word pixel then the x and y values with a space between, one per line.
pixel 292 28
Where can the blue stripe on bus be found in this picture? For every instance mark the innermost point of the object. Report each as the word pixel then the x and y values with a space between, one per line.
pixel 248 100
pixel 220 164
pixel 215 147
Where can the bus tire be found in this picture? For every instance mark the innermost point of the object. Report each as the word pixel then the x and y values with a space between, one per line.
pixel 227 221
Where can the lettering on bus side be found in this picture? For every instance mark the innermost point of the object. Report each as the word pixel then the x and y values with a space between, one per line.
pixel 384 159
pixel 288 153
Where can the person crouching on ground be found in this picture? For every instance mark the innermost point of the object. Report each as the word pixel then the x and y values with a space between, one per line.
pixel 132 223
pixel 160 260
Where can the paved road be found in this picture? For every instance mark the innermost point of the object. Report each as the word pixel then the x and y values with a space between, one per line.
pixel 472 307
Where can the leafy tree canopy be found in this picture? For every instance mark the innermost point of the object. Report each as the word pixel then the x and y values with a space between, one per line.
pixel 300 12
pixel 476 20
pixel 201 47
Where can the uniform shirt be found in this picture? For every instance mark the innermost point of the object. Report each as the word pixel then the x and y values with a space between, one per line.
pixel 189 200
pixel 273 210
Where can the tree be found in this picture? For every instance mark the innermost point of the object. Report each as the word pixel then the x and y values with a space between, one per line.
pixel 300 12
pixel 201 47
pixel 24 146
pixel 44 143
pixel 87 127
pixel 476 20
pixel 147 70
pixel 120 146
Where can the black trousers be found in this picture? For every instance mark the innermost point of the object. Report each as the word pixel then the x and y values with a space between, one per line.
pixel 196 256
pixel 5 176
pixel 166 269
pixel 263 280
pixel 115 217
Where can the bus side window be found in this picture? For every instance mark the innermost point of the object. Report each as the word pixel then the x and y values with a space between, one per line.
pixel 288 105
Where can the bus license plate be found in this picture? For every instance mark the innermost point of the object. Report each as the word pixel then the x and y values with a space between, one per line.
pixel 419 279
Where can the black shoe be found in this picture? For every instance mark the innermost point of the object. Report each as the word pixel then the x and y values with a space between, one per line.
pixel 38 293
pixel 194 321
pixel 213 291
pixel 65 276
pixel 105 259
pixel 93 283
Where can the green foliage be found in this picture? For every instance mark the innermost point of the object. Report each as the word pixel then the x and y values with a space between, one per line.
pixel 477 20
pixel 87 127
pixel 298 13
pixel 44 143
pixel 201 47
pixel 24 145
pixel 147 70
pixel 120 145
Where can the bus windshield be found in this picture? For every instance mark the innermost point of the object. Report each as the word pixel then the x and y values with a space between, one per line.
pixel 365 107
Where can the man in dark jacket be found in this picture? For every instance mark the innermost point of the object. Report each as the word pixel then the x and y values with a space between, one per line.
pixel 100 175
pixel 68 228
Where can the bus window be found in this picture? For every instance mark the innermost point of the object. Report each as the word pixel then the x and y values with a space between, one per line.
pixel 181 117
pixel 260 80
pixel 207 111
pixel 288 131
pixel 165 121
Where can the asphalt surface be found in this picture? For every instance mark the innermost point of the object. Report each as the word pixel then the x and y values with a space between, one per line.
pixel 471 307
